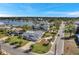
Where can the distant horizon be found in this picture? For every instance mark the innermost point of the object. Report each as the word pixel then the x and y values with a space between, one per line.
pixel 39 16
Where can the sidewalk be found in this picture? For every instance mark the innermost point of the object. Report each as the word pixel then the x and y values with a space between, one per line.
pixel 4 38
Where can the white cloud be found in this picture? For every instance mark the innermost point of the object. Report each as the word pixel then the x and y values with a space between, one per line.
pixel 50 13
pixel 55 12
pixel 59 13
pixel 4 15
pixel 12 15
pixel 9 15
pixel 76 13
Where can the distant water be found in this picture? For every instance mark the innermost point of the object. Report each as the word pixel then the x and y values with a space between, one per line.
pixel 17 23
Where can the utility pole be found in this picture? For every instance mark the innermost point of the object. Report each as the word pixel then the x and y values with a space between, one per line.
pixel 55 50
pixel 0 49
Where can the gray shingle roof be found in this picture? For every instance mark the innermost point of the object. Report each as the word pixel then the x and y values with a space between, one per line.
pixel 33 35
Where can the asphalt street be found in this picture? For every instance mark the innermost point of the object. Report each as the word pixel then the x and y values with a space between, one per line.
pixel 59 45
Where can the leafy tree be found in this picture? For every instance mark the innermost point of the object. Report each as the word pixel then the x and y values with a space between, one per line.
pixel 26 27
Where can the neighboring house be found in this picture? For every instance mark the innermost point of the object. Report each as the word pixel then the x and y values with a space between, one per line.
pixel 3 26
pixel 77 38
pixel 16 31
pixel 76 23
pixel 32 35
pixel 77 35
pixel 41 25
pixel 77 30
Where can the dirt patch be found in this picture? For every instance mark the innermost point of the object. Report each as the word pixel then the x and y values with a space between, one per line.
pixel 70 47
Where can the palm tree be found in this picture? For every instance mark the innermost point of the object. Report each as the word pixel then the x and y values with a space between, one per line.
pixel 70 28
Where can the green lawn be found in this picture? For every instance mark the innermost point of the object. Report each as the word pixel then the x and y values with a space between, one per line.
pixel 66 35
pixel 16 40
pixel 47 34
pixel 40 48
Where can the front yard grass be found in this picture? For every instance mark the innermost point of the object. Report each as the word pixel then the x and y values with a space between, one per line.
pixel 40 48
pixel 68 34
pixel 16 40
pixel 47 34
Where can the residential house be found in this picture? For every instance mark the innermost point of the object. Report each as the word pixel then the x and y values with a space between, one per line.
pixel 41 25
pixel 16 31
pixel 32 35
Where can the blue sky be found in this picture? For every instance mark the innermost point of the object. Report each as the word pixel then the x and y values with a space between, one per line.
pixel 39 9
